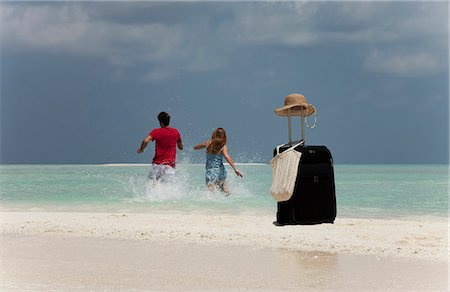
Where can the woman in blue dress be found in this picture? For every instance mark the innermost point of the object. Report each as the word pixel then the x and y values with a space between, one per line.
pixel 216 150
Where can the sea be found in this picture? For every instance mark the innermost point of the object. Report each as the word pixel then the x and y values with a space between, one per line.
pixel 362 191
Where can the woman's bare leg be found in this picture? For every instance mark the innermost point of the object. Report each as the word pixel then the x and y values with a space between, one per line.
pixel 211 187
pixel 223 187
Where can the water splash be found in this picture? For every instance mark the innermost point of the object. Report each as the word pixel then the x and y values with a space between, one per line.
pixel 188 186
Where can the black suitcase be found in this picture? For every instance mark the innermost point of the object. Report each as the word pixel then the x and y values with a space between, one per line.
pixel 314 197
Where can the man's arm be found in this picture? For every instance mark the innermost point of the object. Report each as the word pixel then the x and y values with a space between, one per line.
pixel 180 144
pixel 144 144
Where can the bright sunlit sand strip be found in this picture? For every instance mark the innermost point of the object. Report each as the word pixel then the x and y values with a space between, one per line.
pixel 110 251
pixel 423 239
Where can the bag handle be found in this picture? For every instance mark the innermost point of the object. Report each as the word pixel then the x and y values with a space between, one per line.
pixel 290 148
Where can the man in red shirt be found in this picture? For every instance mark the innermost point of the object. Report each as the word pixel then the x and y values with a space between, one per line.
pixel 166 140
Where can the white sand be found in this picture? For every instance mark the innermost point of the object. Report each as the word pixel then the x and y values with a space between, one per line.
pixel 419 239
pixel 51 251
pixel 59 263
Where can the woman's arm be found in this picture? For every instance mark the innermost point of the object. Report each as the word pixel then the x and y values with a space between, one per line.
pixel 201 145
pixel 230 161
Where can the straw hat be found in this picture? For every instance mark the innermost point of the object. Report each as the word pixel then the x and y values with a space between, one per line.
pixel 294 103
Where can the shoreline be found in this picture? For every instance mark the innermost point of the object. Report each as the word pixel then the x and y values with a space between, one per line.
pixel 418 239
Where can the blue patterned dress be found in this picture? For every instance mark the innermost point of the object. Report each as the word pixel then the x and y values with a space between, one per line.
pixel 215 171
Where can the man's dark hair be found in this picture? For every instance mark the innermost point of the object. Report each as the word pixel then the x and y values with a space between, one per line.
pixel 164 118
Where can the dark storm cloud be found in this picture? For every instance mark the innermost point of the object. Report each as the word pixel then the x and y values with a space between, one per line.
pixel 101 71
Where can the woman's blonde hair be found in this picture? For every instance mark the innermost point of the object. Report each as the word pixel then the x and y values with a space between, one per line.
pixel 218 140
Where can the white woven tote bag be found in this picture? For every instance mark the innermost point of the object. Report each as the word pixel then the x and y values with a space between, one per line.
pixel 284 173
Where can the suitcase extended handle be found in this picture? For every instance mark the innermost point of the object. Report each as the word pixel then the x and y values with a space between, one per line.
pixel 303 117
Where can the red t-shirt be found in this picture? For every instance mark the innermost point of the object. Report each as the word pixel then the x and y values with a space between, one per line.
pixel 166 145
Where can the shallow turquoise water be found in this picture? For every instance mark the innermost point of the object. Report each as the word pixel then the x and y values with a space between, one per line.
pixel 381 191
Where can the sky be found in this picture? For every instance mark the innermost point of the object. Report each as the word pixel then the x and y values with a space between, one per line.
pixel 83 82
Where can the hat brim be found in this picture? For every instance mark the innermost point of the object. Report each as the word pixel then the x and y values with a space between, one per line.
pixel 295 110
